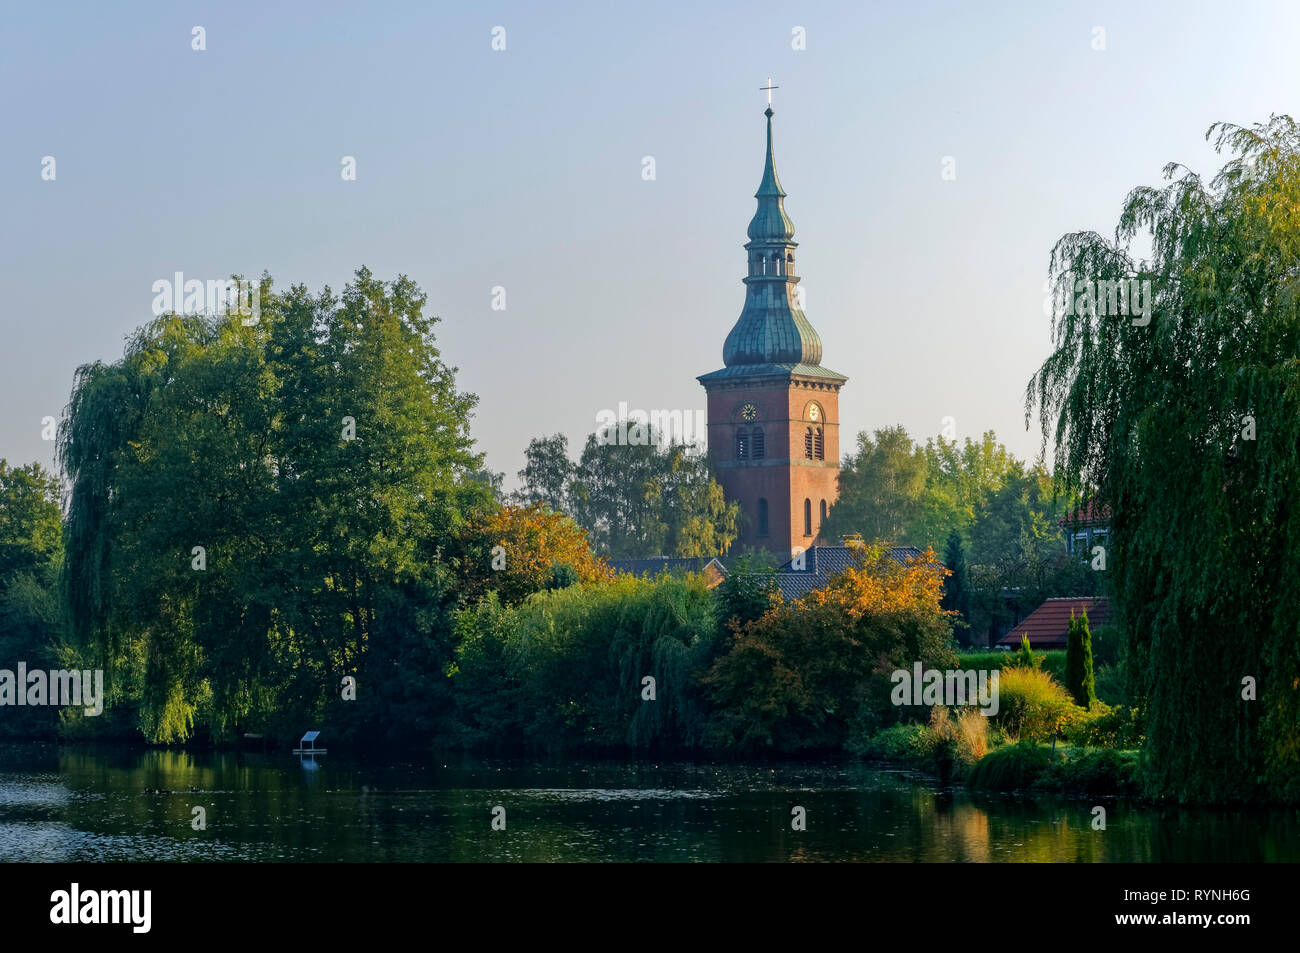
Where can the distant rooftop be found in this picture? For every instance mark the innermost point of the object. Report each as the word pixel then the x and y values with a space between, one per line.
pixel 1049 624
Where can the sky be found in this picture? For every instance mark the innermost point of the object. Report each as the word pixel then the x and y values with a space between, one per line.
pixel 523 169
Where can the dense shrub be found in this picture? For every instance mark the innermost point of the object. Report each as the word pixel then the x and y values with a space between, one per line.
pixel 902 742
pixel 1106 641
pixel 1010 768
pixel 1110 684
pixel 566 668
pixel 1094 772
pixel 1051 661
pixel 1031 705
pixel 1106 727
pixel 802 674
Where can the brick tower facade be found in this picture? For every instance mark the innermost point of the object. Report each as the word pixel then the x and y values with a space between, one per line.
pixel 773 410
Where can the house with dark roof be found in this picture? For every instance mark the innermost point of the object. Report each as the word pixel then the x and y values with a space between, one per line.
pixel 814 568
pixel 711 568
pixel 1049 624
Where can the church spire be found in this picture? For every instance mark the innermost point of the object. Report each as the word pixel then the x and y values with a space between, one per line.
pixel 770 223
pixel 772 329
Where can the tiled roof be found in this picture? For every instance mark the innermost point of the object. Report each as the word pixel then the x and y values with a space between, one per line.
pixel 1090 512
pixel 652 567
pixel 1048 625
pixel 823 562
pixel 829 560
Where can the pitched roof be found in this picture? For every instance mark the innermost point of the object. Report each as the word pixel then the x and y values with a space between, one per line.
pixel 829 560
pixel 1090 512
pixel 652 567
pixel 821 563
pixel 1048 625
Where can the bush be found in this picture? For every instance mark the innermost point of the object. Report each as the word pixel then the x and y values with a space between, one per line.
pixel 1052 661
pixel 1031 705
pixel 902 742
pixel 1105 645
pixel 1012 768
pixel 948 745
pixel 1106 727
pixel 1095 772
pixel 1110 686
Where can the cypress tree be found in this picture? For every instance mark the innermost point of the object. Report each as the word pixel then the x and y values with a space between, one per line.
pixel 1078 662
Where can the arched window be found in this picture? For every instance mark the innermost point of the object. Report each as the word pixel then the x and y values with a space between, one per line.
pixel 819 445
pixel 758 444
pixel 823 520
pixel 807 517
pixel 808 443
pixel 776 263
pixel 742 444
pixel 762 516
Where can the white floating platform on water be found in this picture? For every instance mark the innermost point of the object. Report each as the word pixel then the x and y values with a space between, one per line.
pixel 309 739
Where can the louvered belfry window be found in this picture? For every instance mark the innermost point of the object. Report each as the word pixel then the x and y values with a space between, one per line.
pixel 742 445
pixel 808 443
pixel 819 445
pixel 758 445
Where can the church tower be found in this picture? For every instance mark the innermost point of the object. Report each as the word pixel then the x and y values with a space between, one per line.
pixel 773 409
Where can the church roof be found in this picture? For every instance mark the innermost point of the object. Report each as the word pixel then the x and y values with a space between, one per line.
pixel 784 371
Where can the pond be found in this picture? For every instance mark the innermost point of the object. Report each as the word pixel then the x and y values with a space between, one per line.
pixel 100 804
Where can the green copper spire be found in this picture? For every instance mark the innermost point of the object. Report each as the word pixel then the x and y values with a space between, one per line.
pixel 770 223
pixel 772 337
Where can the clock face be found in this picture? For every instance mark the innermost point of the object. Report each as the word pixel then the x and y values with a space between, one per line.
pixel 749 412
pixel 814 412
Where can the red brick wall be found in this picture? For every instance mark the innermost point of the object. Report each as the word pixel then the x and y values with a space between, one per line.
pixel 784 476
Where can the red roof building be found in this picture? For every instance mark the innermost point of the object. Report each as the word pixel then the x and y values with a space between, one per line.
pixel 1085 528
pixel 1049 624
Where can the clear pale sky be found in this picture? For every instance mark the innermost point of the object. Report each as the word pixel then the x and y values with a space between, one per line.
pixel 523 169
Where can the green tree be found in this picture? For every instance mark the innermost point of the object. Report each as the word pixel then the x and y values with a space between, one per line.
pixel 956 588
pixel 640 500
pixel 1182 413
pixel 1079 680
pixel 31 524
pixel 746 593
pixel 547 472
pixel 257 512
pixel 805 671
pixel 880 488
pixel 32 623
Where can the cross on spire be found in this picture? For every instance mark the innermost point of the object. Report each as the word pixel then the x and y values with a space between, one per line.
pixel 769 87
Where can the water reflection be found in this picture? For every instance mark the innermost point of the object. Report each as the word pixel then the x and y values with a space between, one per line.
pixel 94 804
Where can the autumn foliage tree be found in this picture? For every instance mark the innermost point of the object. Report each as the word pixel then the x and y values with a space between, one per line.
pixel 518 550
pixel 806 670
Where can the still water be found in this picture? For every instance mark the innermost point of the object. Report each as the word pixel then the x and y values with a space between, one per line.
pixel 94 804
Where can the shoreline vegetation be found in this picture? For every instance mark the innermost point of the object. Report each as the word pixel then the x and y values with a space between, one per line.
pixel 264 529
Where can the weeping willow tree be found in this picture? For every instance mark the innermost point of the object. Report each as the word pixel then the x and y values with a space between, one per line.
pixel 256 512
pixel 1173 395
